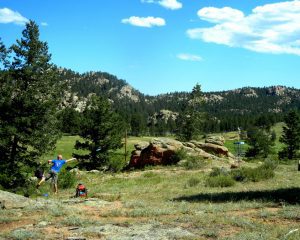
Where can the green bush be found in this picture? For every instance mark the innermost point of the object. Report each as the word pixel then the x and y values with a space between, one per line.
pixel 28 189
pixel 194 162
pixel 263 172
pixel 179 155
pixel 219 181
pixel 66 179
pixel 218 171
pixel 116 162
pixel 192 182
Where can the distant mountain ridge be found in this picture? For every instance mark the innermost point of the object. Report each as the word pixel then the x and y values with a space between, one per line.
pixel 238 103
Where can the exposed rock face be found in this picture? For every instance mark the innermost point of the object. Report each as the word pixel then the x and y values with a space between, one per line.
pixel 161 151
pixel 276 90
pixel 141 145
pixel 10 200
pixel 158 152
pixel 213 98
pixel 217 140
pixel 215 149
pixel 128 92
pixel 164 115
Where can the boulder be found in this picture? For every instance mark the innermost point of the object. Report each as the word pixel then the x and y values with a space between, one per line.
pixel 10 200
pixel 158 152
pixel 215 149
pixel 141 145
pixel 217 140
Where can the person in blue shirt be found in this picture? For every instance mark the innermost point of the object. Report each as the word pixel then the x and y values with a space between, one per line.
pixel 54 170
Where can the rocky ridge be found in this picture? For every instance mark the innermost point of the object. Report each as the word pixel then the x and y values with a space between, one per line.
pixel 161 151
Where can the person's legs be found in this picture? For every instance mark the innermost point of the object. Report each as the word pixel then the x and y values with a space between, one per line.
pixel 43 179
pixel 40 182
pixel 54 182
pixel 55 188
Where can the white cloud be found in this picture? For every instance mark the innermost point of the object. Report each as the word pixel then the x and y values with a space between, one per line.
pixel 169 4
pixel 189 57
pixel 217 15
pixel 271 28
pixel 44 24
pixel 145 21
pixel 9 16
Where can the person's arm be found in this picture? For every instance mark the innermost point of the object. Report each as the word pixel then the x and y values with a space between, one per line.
pixel 71 159
pixel 49 161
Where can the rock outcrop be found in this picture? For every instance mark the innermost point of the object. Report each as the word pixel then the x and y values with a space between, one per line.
pixel 161 151
pixel 10 200
pixel 158 152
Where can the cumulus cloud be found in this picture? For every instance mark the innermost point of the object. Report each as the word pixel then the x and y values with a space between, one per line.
pixel 271 28
pixel 169 4
pixel 189 57
pixel 9 16
pixel 144 21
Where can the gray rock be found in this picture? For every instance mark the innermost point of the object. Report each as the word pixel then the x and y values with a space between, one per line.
pixel 10 200
pixel 141 145
pixel 138 232
pixel 217 140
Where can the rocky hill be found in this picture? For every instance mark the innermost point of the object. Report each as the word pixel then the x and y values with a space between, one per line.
pixel 226 108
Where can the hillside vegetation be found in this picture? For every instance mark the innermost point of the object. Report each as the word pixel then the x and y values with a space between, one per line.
pixel 161 203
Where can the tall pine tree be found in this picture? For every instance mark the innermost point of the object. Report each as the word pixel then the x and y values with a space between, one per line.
pixel 290 136
pixel 102 130
pixel 190 121
pixel 29 95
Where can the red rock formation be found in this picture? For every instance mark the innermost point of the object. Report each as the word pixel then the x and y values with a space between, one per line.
pixel 151 155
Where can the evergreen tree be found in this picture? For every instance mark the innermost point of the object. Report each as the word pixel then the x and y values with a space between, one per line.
pixel 29 94
pixel 260 142
pixel 138 124
pixel 102 131
pixel 290 136
pixel 69 121
pixel 190 121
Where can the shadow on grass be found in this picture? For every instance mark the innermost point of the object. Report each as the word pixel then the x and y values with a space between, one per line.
pixel 288 195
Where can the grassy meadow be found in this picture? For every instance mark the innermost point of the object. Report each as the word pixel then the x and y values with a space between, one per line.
pixel 166 198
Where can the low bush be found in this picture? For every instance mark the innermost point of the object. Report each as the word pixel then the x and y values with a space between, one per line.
pixel 219 171
pixel 263 172
pixel 194 162
pixel 192 182
pixel 179 155
pixel 66 179
pixel 116 162
pixel 219 181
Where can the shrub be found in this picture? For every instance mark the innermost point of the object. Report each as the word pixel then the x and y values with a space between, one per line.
pixel 194 162
pixel 263 172
pixel 192 182
pixel 116 162
pixel 66 179
pixel 220 181
pixel 179 155
pixel 218 171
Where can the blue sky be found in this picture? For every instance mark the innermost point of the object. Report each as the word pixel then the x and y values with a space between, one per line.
pixel 161 46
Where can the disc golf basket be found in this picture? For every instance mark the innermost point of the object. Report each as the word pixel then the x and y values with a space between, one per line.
pixel 239 149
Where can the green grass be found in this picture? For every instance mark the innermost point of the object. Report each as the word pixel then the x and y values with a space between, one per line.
pixel 64 146
pixel 172 197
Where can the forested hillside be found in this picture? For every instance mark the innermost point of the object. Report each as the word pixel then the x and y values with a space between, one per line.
pixel 156 115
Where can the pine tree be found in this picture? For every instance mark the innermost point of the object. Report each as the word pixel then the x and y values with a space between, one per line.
pixel 290 136
pixel 29 95
pixel 190 121
pixel 260 142
pixel 102 130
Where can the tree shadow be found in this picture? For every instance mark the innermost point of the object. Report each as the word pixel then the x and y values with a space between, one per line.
pixel 287 195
